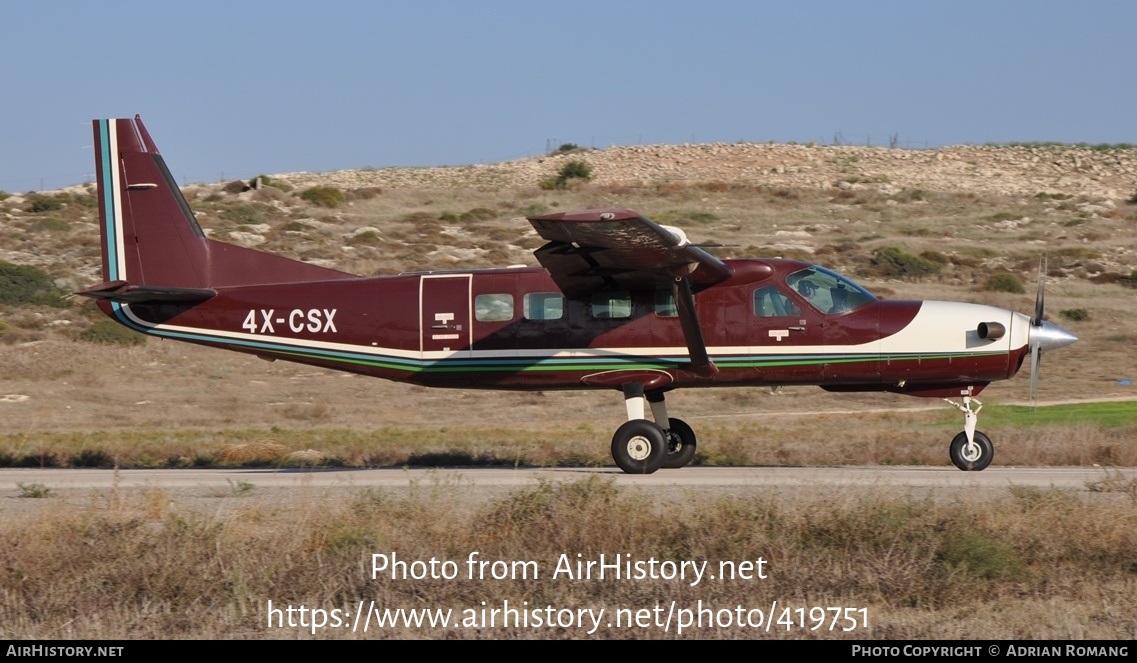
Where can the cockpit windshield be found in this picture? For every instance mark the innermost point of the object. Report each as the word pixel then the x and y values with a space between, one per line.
pixel 827 291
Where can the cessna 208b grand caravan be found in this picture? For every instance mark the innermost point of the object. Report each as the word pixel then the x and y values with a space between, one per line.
pixel 619 302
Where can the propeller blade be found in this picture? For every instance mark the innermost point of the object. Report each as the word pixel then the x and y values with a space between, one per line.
pixel 1036 322
pixel 1035 360
pixel 1040 298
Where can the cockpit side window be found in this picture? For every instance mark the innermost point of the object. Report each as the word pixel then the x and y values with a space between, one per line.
pixel 827 291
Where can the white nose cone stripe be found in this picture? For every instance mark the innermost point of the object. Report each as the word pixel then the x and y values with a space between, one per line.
pixel 953 328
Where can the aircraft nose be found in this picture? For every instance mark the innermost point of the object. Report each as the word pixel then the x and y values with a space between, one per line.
pixel 1050 337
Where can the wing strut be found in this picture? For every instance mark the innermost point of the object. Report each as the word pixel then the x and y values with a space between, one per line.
pixel 701 363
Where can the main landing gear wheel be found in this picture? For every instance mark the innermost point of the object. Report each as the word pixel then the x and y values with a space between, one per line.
pixel 639 447
pixel 680 444
pixel 973 457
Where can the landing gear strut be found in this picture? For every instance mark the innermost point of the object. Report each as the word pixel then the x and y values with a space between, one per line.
pixel 641 446
pixel 971 450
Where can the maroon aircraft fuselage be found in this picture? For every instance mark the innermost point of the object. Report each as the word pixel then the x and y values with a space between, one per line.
pixel 427 328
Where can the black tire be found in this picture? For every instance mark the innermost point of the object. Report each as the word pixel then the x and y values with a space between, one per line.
pixel 680 444
pixel 639 447
pixel 972 462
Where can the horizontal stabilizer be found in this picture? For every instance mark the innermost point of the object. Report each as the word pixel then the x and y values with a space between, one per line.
pixel 125 293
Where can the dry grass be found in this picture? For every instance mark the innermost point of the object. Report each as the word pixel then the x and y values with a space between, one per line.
pixel 783 439
pixel 251 453
pixel 1032 564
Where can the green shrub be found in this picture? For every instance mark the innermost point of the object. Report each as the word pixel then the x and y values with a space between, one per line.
pixel 1004 282
pixel 482 213
pixel 470 216
pixel 22 284
pixel 296 226
pixel 33 490
pixel 40 204
pixel 573 170
pixel 895 262
pixel 1075 314
pixel 245 214
pixel 366 238
pixel 576 170
pixel 108 332
pixel 324 196
pixel 1077 253
pixel 268 181
pixel 1113 277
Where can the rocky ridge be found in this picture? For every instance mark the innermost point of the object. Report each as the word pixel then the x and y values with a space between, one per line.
pixel 1002 170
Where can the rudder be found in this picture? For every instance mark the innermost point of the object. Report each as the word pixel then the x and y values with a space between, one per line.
pixel 149 234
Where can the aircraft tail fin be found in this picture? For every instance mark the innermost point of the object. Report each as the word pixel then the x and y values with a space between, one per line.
pixel 152 246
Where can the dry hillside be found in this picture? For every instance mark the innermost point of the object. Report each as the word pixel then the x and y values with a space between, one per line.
pixel 954 217
pixel 999 170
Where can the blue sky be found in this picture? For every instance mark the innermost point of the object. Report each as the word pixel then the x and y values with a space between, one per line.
pixel 233 89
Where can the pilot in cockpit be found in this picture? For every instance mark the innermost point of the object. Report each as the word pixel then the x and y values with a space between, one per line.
pixel 807 288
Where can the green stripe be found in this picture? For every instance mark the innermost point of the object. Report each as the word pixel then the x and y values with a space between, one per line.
pixel 545 364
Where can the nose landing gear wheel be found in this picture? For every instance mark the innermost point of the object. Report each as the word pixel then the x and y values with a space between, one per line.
pixel 974 457
pixel 639 447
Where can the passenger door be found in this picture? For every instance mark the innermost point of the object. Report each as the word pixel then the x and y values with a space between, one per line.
pixel 444 307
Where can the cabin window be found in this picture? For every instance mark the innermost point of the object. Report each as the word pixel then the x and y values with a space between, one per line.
pixel 665 304
pixel 544 306
pixel 493 308
pixel 611 305
pixel 769 302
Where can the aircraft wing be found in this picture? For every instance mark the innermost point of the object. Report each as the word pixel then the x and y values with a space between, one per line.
pixel 618 249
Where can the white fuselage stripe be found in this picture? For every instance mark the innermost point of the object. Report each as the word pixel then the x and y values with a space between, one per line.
pixel 867 350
